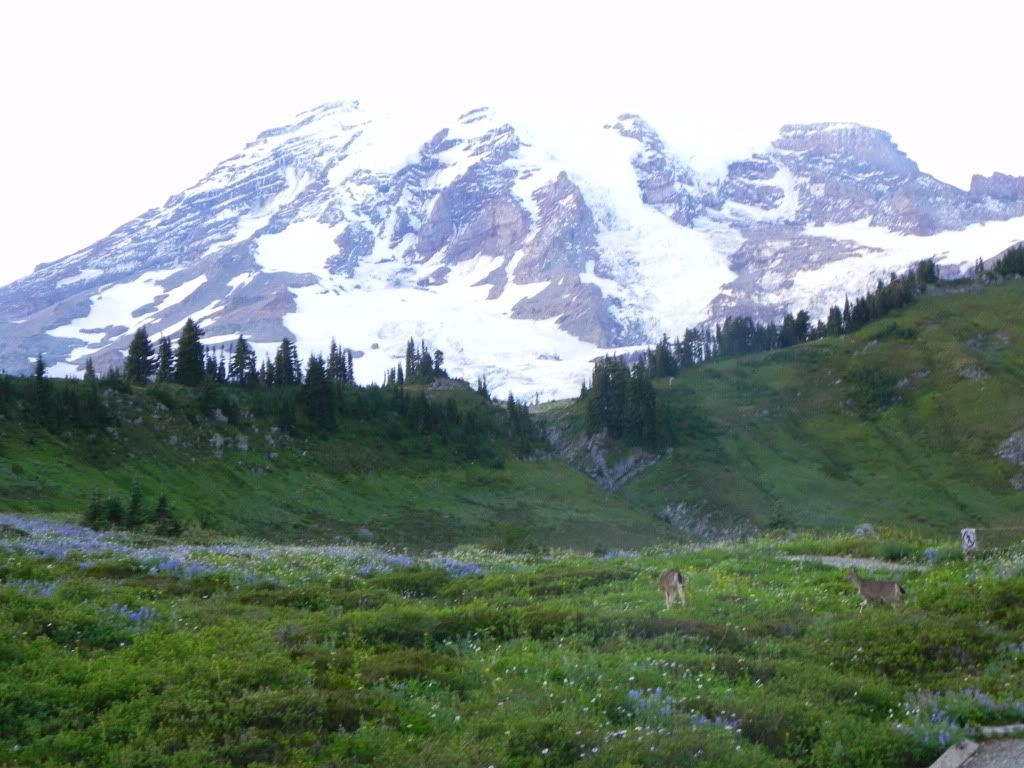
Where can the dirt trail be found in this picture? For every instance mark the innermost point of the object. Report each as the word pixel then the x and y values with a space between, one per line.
pixel 998 754
pixel 855 562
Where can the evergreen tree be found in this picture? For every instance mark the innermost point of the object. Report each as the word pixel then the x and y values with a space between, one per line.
pixel 90 405
pixel 242 369
pixel 318 394
pixel 411 360
pixel 521 428
pixel 400 377
pixel 140 362
pixel 96 513
pixel 834 326
pixel 189 359
pixel 164 361
pixel 42 393
pixel 481 388
pixel 336 364
pixel 164 521
pixel 689 353
pixel 639 419
pixel 350 371
pixel 210 367
pixel 663 362
pixel 606 399
pixel 135 515
pixel 926 272
pixel 1011 263
pixel 286 365
pixel 114 510
pixel 425 371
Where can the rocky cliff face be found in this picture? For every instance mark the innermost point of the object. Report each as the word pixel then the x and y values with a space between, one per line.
pixel 521 248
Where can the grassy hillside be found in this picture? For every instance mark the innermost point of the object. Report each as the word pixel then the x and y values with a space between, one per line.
pixel 896 424
pixel 120 651
pixel 372 480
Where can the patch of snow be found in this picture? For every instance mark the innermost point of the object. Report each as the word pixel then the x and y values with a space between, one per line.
pixel 305 246
pixel 112 307
pixel 63 370
pixel 177 295
pixel 240 281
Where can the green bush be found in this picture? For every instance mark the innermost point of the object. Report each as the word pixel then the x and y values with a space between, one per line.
pixel 846 741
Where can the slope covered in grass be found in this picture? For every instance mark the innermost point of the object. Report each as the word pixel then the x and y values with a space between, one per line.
pixel 228 468
pixel 897 424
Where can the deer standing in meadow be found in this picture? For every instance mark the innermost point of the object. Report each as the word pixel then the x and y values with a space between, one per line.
pixel 673 587
pixel 876 591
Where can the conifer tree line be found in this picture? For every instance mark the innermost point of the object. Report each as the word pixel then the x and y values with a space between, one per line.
pixel 191 363
pixel 104 513
pixel 422 366
pixel 743 335
pixel 317 398
pixel 621 400
pixel 1010 265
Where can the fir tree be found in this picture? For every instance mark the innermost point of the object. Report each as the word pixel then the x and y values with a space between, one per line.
pixel 335 364
pixel 42 393
pixel 242 369
pixel 114 511
pixel 90 371
pixel 189 359
pixel 318 394
pixel 164 361
pixel 135 515
pixel 140 362
pixel 96 513
pixel 164 521
pixel 210 367
pixel 286 365
pixel 411 361
pixel 834 326
pixel 663 363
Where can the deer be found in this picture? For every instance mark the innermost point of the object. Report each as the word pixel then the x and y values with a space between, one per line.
pixel 876 591
pixel 673 587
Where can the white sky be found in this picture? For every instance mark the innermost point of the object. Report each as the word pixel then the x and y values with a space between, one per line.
pixel 108 108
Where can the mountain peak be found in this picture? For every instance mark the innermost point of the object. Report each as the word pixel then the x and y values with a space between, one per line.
pixel 522 258
pixel 848 141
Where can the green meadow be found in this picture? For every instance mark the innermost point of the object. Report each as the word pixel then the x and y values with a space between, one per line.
pixel 120 650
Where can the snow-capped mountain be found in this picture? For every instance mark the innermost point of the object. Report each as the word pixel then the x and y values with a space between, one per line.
pixel 523 248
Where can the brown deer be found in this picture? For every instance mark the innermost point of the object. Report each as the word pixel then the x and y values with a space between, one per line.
pixel 876 591
pixel 673 587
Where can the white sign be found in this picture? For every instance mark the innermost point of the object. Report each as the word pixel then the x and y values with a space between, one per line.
pixel 968 539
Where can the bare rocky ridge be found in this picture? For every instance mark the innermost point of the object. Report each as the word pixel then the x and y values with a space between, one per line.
pixel 345 202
